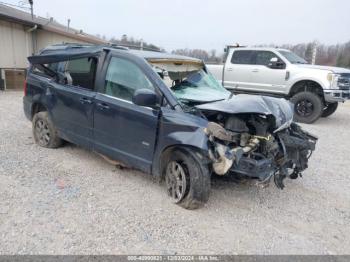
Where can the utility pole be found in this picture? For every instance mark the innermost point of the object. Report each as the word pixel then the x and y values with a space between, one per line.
pixel 141 44
pixel 314 53
pixel 31 8
pixel 68 24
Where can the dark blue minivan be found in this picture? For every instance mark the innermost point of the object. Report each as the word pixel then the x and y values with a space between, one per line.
pixel 162 114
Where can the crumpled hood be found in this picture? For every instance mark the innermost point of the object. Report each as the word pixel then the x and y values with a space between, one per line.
pixel 337 70
pixel 280 108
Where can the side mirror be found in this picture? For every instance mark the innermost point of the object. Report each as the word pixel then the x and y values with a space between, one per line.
pixel 274 60
pixel 275 63
pixel 145 97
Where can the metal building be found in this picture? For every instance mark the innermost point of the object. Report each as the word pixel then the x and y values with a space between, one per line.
pixel 22 36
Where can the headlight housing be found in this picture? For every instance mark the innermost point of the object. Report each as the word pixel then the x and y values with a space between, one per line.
pixel 339 81
pixel 333 80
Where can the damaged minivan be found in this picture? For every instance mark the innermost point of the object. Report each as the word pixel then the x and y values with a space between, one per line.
pixel 162 114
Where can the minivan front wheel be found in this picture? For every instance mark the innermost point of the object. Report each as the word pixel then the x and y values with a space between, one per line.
pixel 44 132
pixel 187 179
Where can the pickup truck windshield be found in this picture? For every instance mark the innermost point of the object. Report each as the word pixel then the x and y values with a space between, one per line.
pixel 293 58
pixel 200 87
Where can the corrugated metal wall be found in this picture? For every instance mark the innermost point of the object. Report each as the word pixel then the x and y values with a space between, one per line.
pixel 15 45
pixel 45 38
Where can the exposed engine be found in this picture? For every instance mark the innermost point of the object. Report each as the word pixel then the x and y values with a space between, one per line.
pixel 250 145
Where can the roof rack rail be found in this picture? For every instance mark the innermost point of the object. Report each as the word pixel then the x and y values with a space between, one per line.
pixel 116 46
pixel 107 45
pixel 73 44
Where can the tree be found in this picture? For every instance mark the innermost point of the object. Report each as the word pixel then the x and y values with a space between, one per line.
pixel 343 58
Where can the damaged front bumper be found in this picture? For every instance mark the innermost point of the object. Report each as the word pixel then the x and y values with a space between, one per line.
pixel 279 155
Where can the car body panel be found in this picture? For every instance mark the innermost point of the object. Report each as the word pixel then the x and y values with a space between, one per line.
pixel 125 131
pixel 179 129
pixel 72 110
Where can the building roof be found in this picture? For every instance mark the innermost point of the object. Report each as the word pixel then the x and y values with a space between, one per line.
pixel 21 17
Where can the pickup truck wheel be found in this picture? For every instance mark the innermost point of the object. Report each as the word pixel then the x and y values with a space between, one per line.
pixel 308 107
pixel 44 132
pixel 329 109
pixel 187 179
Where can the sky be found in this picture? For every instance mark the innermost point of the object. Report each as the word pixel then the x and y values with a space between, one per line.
pixel 206 24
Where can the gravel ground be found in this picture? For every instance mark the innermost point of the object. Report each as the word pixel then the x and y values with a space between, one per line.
pixel 71 201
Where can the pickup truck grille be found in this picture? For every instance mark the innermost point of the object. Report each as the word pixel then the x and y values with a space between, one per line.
pixel 344 82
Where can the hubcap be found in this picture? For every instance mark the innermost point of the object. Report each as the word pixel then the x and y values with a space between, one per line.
pixel 304 108
pixel 42 132
pixel 176 181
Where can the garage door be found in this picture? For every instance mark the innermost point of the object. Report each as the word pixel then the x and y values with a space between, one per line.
pixel 14 79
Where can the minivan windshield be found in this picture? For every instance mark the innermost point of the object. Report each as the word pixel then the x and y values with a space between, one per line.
pixel 292 57
pixel 199 86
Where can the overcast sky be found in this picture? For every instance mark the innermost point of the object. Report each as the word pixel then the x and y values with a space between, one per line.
pixel 206 24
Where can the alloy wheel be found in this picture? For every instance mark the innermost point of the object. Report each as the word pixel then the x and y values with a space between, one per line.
pixel 304 108
pixel 176 181
pixel 42 132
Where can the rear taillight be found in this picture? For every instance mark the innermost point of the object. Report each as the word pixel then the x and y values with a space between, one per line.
pixel 25 87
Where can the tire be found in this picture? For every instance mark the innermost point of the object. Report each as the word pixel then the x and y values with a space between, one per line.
pixel 44 132
pixel 187 178
pixel 308 107
pixel 329 109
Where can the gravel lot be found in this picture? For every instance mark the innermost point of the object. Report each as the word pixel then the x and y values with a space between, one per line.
pixel 71 201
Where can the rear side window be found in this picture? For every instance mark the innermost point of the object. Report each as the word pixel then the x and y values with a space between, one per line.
pixel 40 71
pixel 243 57
pixel 81 72
pixel 79 65
pixel 123 78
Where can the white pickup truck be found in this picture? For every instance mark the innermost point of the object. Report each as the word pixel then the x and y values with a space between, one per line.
pixel 315 90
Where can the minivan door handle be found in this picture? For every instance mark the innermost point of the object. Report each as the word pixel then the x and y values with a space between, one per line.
pixel 85 100
pixel 255 70
pixel 103 106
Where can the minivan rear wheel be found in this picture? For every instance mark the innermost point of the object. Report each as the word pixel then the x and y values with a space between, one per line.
pixel 187 179
pixel 44 132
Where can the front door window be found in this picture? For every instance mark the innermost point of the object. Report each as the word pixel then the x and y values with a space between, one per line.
pixel 123 78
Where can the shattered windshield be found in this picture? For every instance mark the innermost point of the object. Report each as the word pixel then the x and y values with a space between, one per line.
pixel 293 58
pixel 199 86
